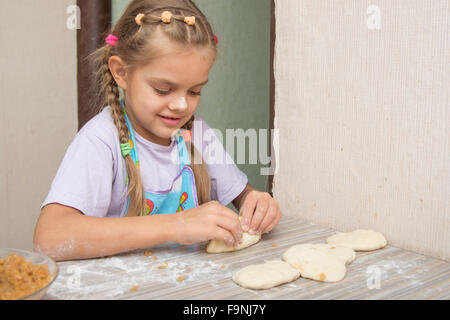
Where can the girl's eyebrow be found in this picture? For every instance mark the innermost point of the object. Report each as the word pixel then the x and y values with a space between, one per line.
pixel 170 83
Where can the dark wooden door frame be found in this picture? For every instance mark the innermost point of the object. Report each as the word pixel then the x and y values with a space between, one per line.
pixel 272 91
pixel 95 23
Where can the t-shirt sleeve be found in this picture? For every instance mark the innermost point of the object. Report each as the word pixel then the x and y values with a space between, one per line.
pixel 85 177
pixel 227 180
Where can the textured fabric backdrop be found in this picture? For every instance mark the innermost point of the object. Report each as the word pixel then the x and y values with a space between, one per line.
pixel 362 105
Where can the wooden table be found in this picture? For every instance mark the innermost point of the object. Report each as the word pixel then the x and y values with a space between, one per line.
pixel 388 273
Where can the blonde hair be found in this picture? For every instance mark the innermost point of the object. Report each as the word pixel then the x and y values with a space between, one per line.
pixel 134 31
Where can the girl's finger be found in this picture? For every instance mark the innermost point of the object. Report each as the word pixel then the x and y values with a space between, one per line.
pixel 260 212
pixel 270 216
pixel 225 236
pixel 274 222
pixel 231 223
pixel 248 207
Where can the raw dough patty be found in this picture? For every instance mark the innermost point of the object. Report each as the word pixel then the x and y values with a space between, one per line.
pixel 319 262
pixel 265 276
pixel 218 246
pixel 359 240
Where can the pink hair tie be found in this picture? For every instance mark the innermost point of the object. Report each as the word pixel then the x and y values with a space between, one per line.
pixel 112 40
pixel 187 135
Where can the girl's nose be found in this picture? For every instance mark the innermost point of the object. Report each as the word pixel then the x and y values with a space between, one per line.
pixel 178 105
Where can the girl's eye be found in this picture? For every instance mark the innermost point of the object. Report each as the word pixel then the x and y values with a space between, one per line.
pixel 166 92
pixel 161 92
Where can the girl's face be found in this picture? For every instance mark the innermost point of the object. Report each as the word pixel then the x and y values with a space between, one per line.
pixel 163 95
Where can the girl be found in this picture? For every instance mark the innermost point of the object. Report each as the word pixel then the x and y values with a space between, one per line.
pixel 120 165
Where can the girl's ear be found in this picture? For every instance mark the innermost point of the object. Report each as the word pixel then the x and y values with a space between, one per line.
pixel 119 71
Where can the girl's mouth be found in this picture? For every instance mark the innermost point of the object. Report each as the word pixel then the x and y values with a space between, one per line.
pixel 171 122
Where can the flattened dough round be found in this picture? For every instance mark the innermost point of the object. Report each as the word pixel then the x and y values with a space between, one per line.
pixel 266 275
pixel 345 254
pixel 317 263
pixel 359 240
pixel 218 246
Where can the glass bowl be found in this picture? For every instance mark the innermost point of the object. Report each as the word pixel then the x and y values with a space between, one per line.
pixel 37 259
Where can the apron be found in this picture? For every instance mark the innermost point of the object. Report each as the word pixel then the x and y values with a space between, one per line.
pixel 182 195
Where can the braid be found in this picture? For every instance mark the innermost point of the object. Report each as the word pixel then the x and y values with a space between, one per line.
pixel 135 188
pixel 201 174
pixel 189 124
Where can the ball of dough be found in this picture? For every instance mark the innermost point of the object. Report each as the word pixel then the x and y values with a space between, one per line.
pixel 318 263
pixel 218 246
pixel 265 276
pixel 359 240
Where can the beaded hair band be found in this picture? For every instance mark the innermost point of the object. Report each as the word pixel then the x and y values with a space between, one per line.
pixel 166 17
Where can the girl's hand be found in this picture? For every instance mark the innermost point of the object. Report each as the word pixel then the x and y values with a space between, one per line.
pixel 208 221
pixel 260 212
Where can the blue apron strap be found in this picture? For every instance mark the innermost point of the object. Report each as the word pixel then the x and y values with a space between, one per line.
pixel 183 151
pixel 132 138
pixel 184 155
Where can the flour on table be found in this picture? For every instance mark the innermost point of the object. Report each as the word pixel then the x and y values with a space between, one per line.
pixel 400 269
pixel 108 278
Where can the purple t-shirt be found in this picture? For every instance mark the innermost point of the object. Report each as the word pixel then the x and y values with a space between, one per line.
pixel 92 176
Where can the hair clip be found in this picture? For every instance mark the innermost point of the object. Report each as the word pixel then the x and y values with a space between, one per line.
pixel 126 149
pixel 216 40
pixel 189 20
pixel 112 40
pixel 139 18
pixel 187 135
pixel 166 16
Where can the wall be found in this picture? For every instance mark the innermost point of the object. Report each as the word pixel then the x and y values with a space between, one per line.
pixel 38 117
pixel 364 118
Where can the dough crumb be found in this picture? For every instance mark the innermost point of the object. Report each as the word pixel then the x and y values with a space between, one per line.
pixel 274 245
pixel 134 288
pixel 148 253
pixel 155 257
pixel 322 276
pixel 162 267
pixel 180 279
